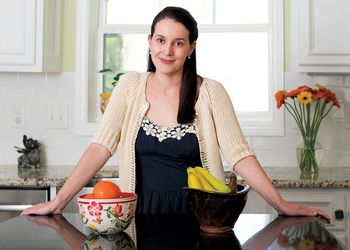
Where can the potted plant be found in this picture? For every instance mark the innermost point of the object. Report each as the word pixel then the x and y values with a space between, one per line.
pixel 30 157
pixel 106 95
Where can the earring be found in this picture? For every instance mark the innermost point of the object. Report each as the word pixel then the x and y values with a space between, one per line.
pixel 150 53
pixel 188 57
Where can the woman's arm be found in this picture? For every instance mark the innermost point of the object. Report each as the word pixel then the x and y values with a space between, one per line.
pixel 251 171
pixel 90 163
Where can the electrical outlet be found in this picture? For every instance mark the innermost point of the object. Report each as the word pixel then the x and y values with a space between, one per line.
pixel 17 119
pixel 56 116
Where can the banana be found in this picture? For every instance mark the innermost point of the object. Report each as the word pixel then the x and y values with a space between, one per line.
pixel 193 181
pixel 217 184
pixel 192 174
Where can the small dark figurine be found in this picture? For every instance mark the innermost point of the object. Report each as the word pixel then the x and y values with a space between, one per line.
pixel 30 157
pixel 233 183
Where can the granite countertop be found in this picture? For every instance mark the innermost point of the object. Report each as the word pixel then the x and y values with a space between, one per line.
pixel 11 176
pixel 281 177
pixel 328 177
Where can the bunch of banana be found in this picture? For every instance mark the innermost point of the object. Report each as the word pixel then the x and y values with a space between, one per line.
pixel 200 178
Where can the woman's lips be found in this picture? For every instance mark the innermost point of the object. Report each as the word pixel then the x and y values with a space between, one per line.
pixel 166 61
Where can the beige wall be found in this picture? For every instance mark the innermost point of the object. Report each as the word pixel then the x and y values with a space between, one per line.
pixel 287 40
pixel 68 30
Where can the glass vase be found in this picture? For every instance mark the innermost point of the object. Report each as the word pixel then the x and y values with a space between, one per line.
pixel 309 154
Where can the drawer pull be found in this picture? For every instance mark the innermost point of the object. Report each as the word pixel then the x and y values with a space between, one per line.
pixel 339 214
pixel 13 207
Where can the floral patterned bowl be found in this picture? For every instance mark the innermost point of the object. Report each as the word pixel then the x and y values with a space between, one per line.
pixel 107 216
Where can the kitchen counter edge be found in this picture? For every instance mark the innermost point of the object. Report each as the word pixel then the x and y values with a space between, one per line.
pixel 281 177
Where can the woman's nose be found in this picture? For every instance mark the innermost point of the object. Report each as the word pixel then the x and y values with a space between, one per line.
pixel 167 50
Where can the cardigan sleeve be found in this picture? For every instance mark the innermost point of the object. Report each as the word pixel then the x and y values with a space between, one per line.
pixel 232 142
pixel 110 127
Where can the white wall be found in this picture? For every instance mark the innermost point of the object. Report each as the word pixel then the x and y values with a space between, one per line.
pixel 63 147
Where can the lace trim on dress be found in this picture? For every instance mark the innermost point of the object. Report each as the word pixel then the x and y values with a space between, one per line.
pixel 163 133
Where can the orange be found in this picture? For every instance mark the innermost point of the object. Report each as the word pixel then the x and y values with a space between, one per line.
pixel 89 196
pixel 106 190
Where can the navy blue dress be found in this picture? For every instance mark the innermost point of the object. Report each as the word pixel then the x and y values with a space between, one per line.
pixel 162 157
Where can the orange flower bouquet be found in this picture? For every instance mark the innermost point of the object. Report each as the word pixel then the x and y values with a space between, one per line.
pixel 308 107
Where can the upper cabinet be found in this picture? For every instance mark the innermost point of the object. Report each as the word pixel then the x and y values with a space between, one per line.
pixel 320 31
pixel 30 32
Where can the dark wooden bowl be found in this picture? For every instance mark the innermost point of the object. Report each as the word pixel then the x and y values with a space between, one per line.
pixel 217 212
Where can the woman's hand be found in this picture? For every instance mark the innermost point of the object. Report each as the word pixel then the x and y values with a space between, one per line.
pixel 50 207
pixel 290 209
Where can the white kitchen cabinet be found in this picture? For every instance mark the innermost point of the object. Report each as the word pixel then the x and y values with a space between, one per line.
pixel 30 36
pixel 327 199
pixel 320 32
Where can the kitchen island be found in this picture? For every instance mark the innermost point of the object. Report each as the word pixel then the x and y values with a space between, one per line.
pixel 328 190
pixel 252 231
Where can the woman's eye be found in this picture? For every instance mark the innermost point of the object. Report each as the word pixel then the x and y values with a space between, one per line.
pixel 160 40
pixel 179 44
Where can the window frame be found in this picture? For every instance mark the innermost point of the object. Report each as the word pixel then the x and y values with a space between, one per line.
pixel 269 123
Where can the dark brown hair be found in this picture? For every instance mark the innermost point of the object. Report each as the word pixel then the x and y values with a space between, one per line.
pixel 188 89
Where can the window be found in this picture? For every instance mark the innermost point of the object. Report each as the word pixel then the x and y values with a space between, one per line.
pixel 240 44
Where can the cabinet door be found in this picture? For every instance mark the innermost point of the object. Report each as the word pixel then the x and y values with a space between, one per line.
pixel 323 200
pixel 30 34
pixel 256 204
pixel 320 35
pixel 17 30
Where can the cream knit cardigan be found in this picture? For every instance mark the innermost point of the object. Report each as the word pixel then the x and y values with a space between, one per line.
pixel 216 125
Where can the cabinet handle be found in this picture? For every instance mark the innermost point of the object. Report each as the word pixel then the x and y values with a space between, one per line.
pixel 13 207
pixel 339 214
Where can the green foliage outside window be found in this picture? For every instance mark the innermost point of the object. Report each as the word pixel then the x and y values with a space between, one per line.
pixel 112 61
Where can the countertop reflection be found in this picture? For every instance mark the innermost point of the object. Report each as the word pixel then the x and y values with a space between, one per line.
pixel 252 231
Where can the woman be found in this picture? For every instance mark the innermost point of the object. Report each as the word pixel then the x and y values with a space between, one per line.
pixel 164 121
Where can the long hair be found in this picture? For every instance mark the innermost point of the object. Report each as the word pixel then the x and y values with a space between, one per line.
pixel 188 89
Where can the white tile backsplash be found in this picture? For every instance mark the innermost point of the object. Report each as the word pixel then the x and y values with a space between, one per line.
pixel 18 94
pixel 36 91
pixel 47 93
pixel 63 147
pixel 347 81
pixel 8 79
pixel 329 80
pixel 32 79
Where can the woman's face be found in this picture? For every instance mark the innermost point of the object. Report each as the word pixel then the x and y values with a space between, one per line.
pixel 170 46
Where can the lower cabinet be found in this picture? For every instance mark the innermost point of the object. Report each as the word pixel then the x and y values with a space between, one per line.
pixel 333 201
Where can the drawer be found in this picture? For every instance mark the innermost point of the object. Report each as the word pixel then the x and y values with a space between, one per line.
pixel 10 197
